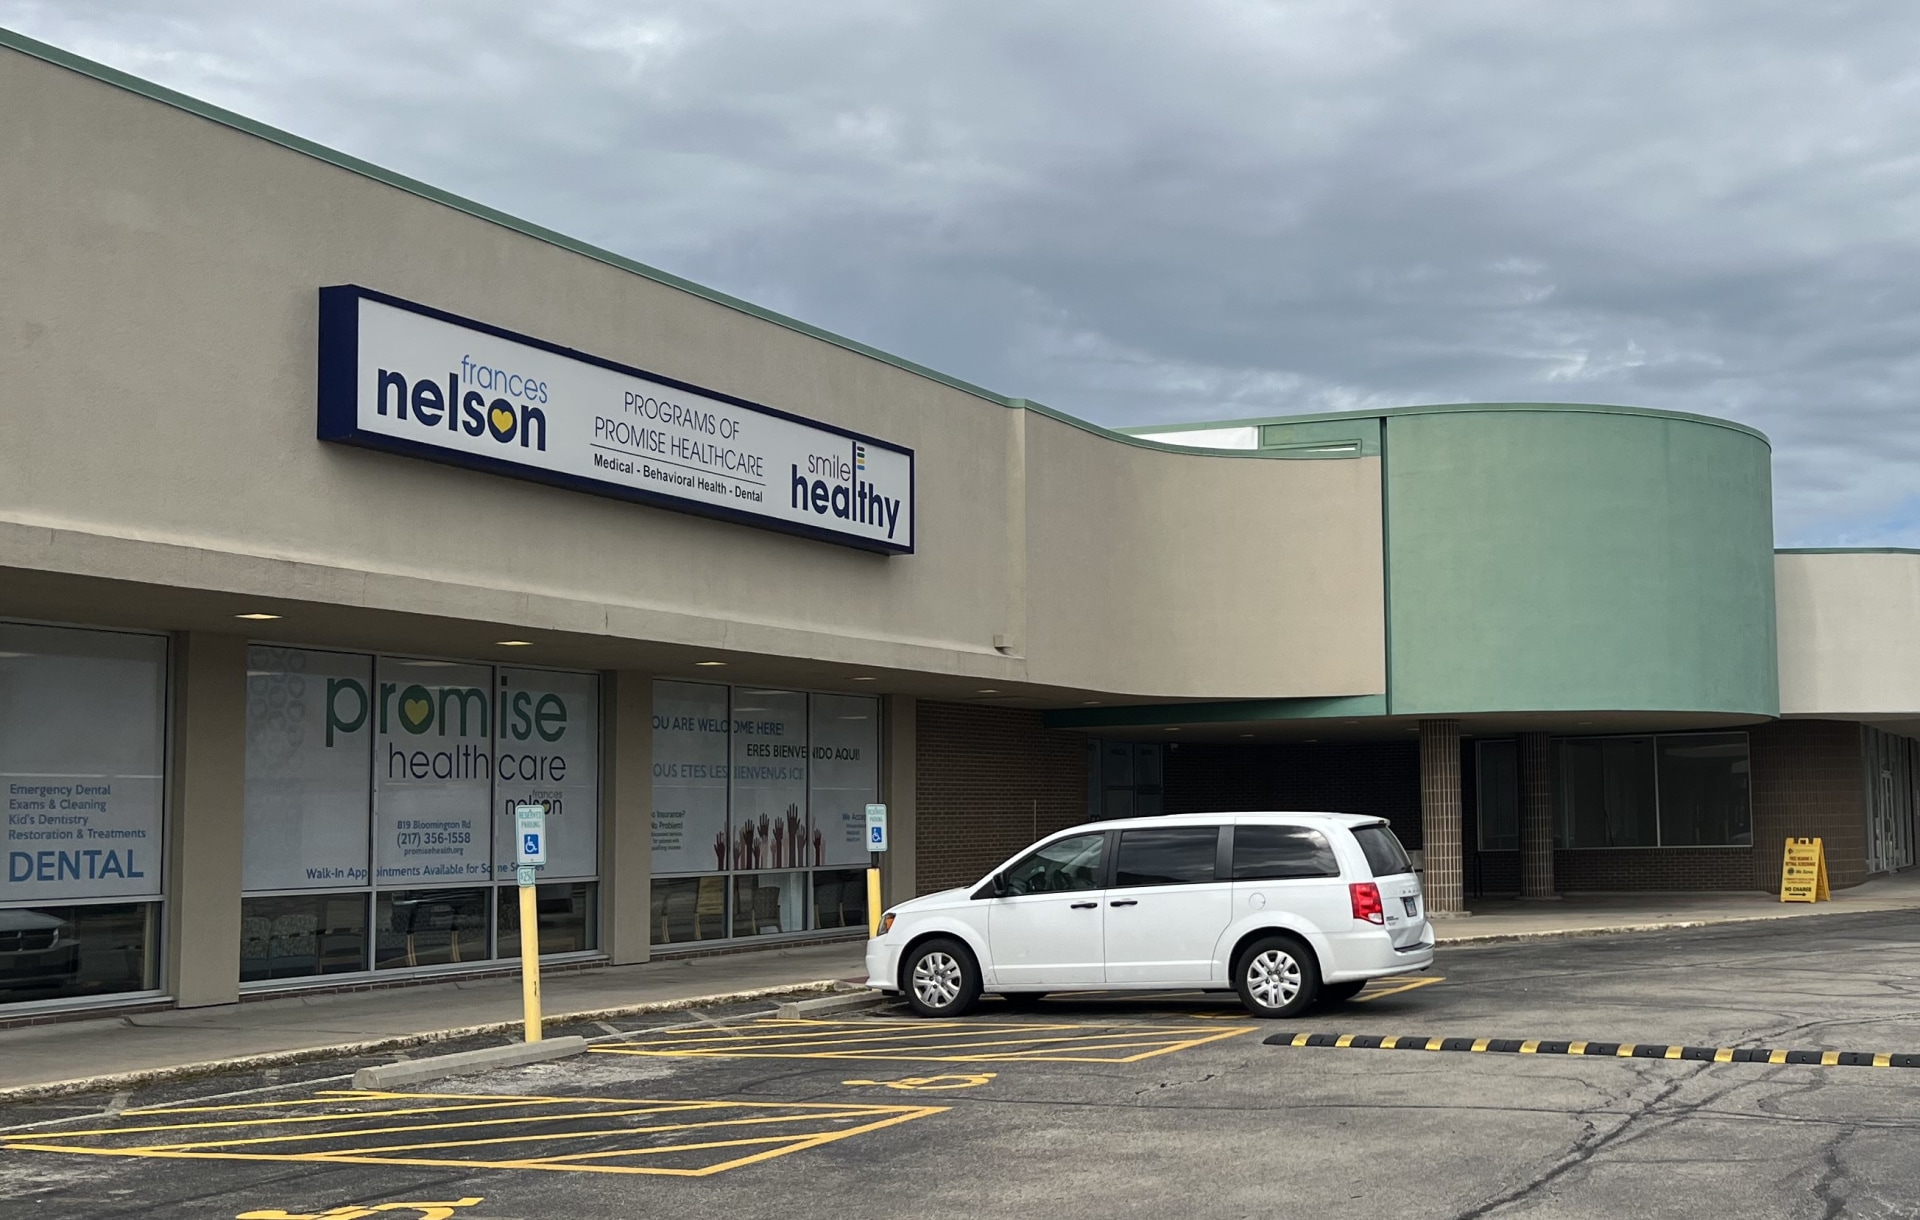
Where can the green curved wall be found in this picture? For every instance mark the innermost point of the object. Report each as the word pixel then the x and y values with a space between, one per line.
pixel 1556 558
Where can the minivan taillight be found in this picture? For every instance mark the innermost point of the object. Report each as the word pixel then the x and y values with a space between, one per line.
pixel 1366 902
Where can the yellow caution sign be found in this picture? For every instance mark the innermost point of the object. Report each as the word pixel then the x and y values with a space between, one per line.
pixel 1803 875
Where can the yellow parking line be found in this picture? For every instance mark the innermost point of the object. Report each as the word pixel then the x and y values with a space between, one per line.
pixel 1409 985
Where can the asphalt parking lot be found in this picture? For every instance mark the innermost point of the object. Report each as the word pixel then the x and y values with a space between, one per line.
pixel 1107 1106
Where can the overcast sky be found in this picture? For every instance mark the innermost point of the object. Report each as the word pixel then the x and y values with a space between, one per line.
pixel 1142 212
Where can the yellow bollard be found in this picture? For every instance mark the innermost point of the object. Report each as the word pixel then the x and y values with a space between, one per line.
pixel 873 903
pixel 530 960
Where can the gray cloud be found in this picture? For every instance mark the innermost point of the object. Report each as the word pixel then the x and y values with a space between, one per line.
pixel 1141 212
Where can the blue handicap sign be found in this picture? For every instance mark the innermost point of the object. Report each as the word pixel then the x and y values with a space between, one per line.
pixel 529 845
pixel 876 834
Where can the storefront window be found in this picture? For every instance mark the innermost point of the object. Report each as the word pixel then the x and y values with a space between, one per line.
pixel 765 791
pixel 1674 790
pixel 1497 813
pixel 388 785
pixel 568 913
pixel 82 740
pixel 302 934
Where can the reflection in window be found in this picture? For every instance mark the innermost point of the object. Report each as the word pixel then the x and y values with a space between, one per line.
pixel 1175 855
pixel 840 899
pixel 1607 792
pixel 70 952
pixel 765 903
pixel 1497 813
pixel 566 911
pixel 1703 790
pixel 689 909
pixel 1059 867
pixel 1267 853
pixel 430 928
pixel 294 937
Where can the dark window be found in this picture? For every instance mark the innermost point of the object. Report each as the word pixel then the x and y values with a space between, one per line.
pixel 1175 855
pixel 1703 790
pixel 1384 854
pixel 1271 853
pixel 1060 867
pixel 1497 771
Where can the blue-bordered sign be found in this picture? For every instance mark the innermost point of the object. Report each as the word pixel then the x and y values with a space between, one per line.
pixel 530 835
pixel 876 828
pixel 405 378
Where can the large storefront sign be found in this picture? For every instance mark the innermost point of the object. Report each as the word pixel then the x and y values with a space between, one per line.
pixel 408 379
pixel 414 766
pixel 82 742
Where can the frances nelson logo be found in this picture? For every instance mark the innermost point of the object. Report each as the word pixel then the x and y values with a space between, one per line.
pixel 832 486
pixel 495 402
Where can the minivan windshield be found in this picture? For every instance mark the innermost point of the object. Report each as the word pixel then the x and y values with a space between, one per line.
pixel 1385 856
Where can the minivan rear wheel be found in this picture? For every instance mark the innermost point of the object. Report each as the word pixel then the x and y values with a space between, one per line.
pixel 940 979
pixel 1276 977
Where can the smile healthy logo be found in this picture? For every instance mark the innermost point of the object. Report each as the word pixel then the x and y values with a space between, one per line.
pixel 496 403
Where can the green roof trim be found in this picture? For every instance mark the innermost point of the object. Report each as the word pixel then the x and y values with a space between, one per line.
pixel 1247 711
pixel 1449 408
pixel 1846 550
pixel 13 40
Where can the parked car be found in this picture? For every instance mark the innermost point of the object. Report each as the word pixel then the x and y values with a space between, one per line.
pixel 1284 908
pixel 37 949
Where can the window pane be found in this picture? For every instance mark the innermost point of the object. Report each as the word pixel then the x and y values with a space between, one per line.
pixel 309 803
pixel 1060 867
pixel 1607 792
pixel 1382 848
pixel 769 800
pixel 49 953
pixel 307 934
pixel 1703 790
pixel 81 730
pixel 843 775
pixel 689 908
pixel 568 913
pixel 432 773
pixel 1177 855
pixel 764 903
pixel 429 928
pixel 1497 775
pixel 1262 853
pixel 547 752
pixel 689 781
pixel 840 899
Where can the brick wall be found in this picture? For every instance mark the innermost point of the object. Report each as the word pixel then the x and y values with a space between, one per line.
pixel 1380 778
pixel 990 780
pixel 1807 780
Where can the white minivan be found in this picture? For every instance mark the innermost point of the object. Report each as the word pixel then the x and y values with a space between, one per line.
pixel 1284 908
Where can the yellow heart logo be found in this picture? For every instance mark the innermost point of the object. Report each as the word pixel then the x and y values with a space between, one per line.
pixel 416 710
pixel 503 421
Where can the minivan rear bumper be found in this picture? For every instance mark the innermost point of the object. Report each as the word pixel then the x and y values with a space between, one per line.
pixel 1371 954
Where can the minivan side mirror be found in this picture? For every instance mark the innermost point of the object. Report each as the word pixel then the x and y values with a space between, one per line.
pixel 996 887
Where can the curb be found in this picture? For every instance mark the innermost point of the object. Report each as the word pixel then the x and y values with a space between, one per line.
pixel 513 1054
pixel 843 1002
pixel 184 1071
pixel 1492 938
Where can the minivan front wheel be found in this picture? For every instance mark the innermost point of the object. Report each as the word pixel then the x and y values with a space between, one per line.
pixel 1276 977
pixel 941 979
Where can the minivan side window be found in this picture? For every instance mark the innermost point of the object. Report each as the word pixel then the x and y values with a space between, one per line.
pixel 1279 853
pixel 1174 855
pixel 1060 867
pixel 1385 856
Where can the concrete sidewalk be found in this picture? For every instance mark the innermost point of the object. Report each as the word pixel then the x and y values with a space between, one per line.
pixel 122 1051
pixel 1500 919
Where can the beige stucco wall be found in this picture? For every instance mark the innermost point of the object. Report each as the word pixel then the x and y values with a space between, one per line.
pixel 157 371
pixel 1850 635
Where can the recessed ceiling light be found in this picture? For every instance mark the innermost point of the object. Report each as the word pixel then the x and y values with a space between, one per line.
pixel 514 643
pixel 1173 728
pixel 1246 734
pixel 863 678
pixel 708 664
pixel 258 618
pixel 988 690
pixel 1579 722
pixel 1089 703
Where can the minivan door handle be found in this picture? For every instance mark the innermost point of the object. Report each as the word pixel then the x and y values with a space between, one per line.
pixel 1085 906
pixel 1125 902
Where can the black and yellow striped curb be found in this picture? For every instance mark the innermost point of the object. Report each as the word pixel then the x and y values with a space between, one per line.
pixel 1603 1050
